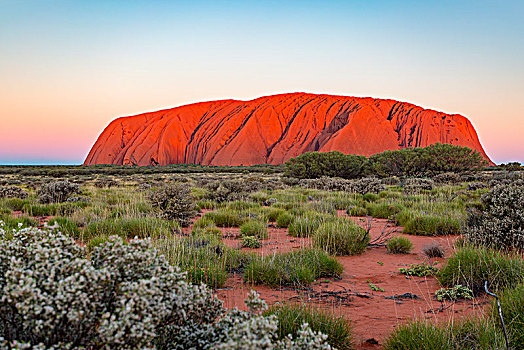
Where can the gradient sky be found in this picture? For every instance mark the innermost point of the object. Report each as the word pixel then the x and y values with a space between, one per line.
pixel 67 68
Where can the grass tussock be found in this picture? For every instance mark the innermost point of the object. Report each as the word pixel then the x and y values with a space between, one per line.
pixel 296 268
pixel 341 237
pixel 471 266
pixel 399 245
pixel 476 334
pixel 291 317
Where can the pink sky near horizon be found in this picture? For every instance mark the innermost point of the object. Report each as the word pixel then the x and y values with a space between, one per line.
pixel 68 69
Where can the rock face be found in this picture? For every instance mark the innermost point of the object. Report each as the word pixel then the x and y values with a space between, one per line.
pixel 272 129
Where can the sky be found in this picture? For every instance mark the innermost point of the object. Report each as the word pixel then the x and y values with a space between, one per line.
pixel 67 68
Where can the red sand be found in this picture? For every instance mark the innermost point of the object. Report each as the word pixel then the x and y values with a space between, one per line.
pixel 371 314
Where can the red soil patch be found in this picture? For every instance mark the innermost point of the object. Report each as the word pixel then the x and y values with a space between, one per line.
pixel 371 313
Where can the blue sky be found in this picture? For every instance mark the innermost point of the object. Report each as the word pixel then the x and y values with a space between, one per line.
pixel 69 67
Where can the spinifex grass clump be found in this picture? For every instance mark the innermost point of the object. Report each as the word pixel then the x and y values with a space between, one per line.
pixel 399 245
pixel 131 227
pixel 271 214
pixel 384 210
pixel 242 205
pixel 284 219
pixel 471 266
pixel 297 268
pixel 476 334
pixel 425 224
pixel 11 222
pixel 226 218
pixel 341 237
pixel 291 317
pixel 204 257
pixel 14 204
pixel 305 225
pixel 66 226
pixel 254 228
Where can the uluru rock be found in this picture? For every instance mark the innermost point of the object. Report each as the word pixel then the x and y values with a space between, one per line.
pixel 273 129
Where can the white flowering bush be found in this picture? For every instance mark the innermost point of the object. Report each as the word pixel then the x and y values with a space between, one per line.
pixel 12 192
pixel 174 202
pixel 121 296
pixel 500 223
pixel 57 192
pixel 367 185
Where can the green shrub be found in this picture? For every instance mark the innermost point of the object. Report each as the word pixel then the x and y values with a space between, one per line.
pixel 419 270
pixel 433 159
pixel 254 228
pixel 291 317
pixel 471 266
pixel 399 245
pixel 251 242
pixel 313 165
pixel 455 293
pixel 284 219
pixel 296 268
pixel 341 237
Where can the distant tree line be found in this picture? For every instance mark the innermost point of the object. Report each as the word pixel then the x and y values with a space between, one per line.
pixel 123 170
pixel 424 161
